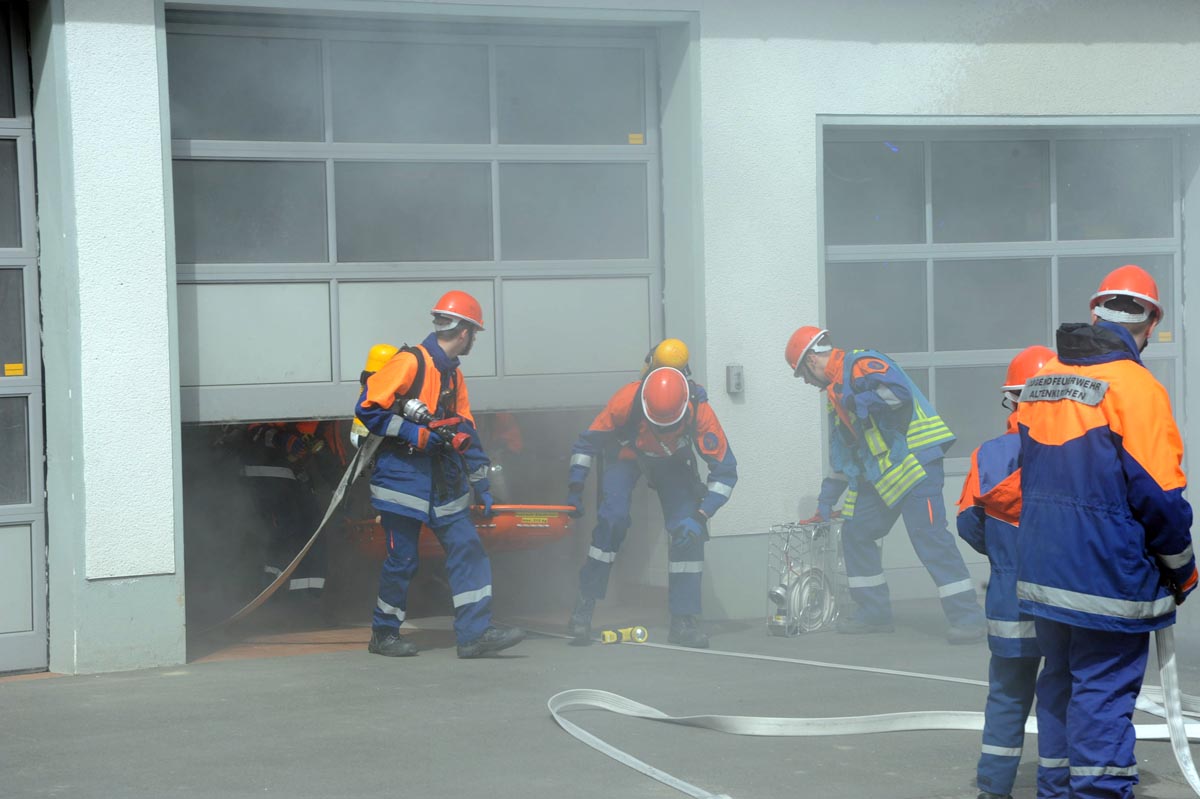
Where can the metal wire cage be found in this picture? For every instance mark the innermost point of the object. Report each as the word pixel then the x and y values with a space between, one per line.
pixel 806 574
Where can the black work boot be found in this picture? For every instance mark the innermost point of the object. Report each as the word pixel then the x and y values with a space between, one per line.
pixel 685 631
pixel 390 643
pixel 990 795
pixel 853 625
pixel 580 625
pixel 493 640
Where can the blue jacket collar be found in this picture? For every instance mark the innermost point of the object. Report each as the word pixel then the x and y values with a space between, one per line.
pixel 1082 344
pixel 441 360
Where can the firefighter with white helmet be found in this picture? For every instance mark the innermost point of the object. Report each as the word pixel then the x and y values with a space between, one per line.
pixel 988 510
pixel 418 402
pixel 1104 540
pixel 886 443
pixel 650 427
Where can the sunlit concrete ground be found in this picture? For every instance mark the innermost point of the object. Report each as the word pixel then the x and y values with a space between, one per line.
pixel 335 721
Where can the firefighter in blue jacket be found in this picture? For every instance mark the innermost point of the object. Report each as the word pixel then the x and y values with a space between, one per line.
pixel 650 427
pixel 886 443
pixel 421 476
pixel 1104 543
pixel 988 511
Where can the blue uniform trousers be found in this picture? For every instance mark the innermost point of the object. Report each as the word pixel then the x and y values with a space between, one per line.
pixel 289 507
pixel 1011 684
pixel 467 564
pixel 675 484
pixel 924 512
pixel 1086 695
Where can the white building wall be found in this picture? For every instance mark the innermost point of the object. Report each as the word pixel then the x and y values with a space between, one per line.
pixel 116 589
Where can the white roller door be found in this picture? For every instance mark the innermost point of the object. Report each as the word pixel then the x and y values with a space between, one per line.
pixel 331 180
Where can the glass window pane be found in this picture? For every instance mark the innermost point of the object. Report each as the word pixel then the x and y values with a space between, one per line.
pixel 10 195
pixel 573 211
pixel 570 95
pixel 968 399
pixel 880 306
pixel 12 323
pixel 921 378
pixel 14 451
pixel 406 92
pixel 413 212
pixel 249 211
pixel 1079 277
pixel 874 192
pixel 7 106
pixel 991 304
pixel 245 88
pixel 991 191
pixel 1115 189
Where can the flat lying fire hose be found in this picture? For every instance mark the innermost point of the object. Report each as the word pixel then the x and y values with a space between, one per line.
pixel 362 457
pixel 1173 706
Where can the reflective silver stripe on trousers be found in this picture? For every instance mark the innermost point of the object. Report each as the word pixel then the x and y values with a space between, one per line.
pixel 685 567
pixel 1177 561
pixel 282 472
pixel 388 609
pixel 453 506
pixel 1053 762
pixel 1000 751
pixel 1011 629
pixel 960 587
pixel 868 581
pixel 272 570
pixel 1090 603
pixel 1104 771
pixel 720 488
pixel 467 597
pixel 479 473
pixel 393 426
pixel 399 498
pixel 581 460
pixel 304 583
pixel 601 555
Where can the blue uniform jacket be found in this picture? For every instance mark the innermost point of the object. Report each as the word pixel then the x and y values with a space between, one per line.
pixel 988 511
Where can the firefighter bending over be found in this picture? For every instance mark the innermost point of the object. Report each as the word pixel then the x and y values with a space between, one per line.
pixel 886 442
pixel 650 427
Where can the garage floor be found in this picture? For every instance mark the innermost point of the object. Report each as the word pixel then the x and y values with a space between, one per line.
pixel 334 721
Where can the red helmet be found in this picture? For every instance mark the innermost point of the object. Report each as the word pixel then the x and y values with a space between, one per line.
pixel 805 340
pixel 665 395
pixel 1128 281
pixel 1028 363
pixel 460 306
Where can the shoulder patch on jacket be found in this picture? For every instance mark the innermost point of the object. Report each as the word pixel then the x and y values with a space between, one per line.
pixel 1077 388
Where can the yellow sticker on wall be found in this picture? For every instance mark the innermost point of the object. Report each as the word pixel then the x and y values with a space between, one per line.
pixel 1165 337
pixel 14 370
pixel 637 138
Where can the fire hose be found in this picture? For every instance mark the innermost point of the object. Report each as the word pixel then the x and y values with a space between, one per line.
pixel 1166 701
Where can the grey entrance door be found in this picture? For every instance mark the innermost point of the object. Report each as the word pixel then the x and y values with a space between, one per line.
pixel 22 499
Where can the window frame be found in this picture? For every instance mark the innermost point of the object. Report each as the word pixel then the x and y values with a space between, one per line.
pixel 1054 129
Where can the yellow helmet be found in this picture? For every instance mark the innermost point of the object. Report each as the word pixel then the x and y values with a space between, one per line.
pixel 378 356
pixel 670 352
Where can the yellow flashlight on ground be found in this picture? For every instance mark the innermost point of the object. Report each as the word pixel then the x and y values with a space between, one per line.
pixel 625 635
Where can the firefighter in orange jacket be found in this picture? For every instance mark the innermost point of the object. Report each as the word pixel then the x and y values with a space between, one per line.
pixel 987 520
pixel 1104 543
pixel 421 475
pixel 650 427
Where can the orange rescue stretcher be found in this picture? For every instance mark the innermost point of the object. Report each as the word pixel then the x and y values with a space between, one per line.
pixel 512 528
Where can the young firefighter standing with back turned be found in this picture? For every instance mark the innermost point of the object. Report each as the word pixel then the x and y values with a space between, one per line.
pixel 987 520
pixel 1104 544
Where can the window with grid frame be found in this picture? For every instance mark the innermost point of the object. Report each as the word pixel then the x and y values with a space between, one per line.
pixel 952 249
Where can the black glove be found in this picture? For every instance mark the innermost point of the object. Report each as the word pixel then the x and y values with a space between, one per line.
pixel 575 499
